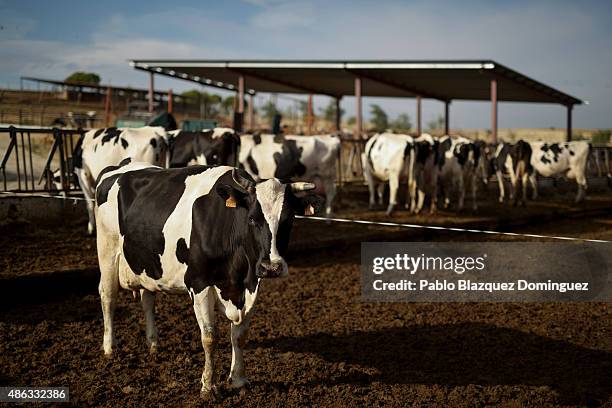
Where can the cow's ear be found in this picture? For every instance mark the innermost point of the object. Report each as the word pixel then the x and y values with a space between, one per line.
pixel 232 196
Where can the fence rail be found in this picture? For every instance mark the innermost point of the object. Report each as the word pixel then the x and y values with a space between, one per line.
pixel 33 155
pixel 23 158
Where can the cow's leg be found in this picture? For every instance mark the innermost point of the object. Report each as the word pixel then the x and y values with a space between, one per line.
pixel 582 186
pixel 413 190
pixel 147 299
pixel 500 181
pixel 461 191
pixel 434 194
pixel 88 188
pixel 108 289
pixel 524 185
pixel 513 182
pixel 474 186
pixel 533 180
pixel 330 194
pixel 237 377
pixel 380 192
pixel 420 186
pixel 371 187
pixel 393 186
pixel 204 307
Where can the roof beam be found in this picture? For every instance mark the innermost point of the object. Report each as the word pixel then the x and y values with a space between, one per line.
pixel 190 78
pixel 302 88
pixel 393 84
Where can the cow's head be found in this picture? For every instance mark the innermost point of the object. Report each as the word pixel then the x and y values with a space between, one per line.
pixel 266 210
pixel 223 151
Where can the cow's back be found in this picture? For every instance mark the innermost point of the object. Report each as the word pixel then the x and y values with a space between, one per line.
pixel 108 147
pixel 385 153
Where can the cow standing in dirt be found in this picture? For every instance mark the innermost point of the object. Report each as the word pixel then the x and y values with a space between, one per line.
pixel 567 159
pixel 387 159
pixel 207 231
pixel 462 162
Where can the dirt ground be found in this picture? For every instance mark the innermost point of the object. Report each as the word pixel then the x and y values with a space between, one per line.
pixel 313 341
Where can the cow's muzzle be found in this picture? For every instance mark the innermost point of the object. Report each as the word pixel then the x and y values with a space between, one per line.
pixel 268 269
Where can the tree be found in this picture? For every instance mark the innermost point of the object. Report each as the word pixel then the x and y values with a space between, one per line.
pixel 379 118
pixel 84 78
pixel 351 120
pixel 269 110
pixel 210 103
pixel 437 123
pixel 402 122
pixel 227 105
pixel 329 112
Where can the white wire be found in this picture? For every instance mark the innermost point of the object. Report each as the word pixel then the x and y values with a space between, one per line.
pixel 366 222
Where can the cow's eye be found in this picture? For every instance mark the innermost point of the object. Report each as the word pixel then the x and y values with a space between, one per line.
pixel 251 220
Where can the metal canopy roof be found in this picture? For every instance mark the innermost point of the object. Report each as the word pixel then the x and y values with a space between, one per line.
pixel 442 80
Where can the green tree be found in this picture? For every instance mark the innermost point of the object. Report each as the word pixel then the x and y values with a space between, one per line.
pixel 351 120
pixel 329 112
pixel 379 118
pixel 269 110
pixel 437 123
pixel 84 78
pixel 402 122
pixel 210 103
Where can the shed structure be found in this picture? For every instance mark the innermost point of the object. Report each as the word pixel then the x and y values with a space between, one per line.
pixel 444 80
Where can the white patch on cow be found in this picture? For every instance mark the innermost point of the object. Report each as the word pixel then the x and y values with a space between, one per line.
pixel 263 155
pixel 177 226
pixel 231 310
pixel 271 196
pixel 220 131
pixel 201 160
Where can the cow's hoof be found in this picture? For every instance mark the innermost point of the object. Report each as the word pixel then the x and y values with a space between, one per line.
pixel 239 383
pixel 210 393
pixel 90 229
pixel 153 348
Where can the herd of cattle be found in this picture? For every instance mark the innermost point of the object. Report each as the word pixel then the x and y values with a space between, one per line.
pixel 165 223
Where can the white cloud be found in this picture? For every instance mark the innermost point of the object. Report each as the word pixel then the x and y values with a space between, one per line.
pixel 562 45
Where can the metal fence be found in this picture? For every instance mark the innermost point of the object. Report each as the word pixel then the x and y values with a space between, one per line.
pixel 36 155
pixel 41 159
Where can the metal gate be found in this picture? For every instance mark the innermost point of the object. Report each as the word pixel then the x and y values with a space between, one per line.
pixel 34 155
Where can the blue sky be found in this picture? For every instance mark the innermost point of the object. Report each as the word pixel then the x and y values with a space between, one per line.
pixel 565 44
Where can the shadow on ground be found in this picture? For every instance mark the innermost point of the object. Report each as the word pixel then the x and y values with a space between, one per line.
pixel 463 354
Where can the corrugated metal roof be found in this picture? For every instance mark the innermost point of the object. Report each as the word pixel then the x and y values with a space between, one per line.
pixel 442 80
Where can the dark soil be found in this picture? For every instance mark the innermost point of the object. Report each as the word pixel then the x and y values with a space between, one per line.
pixel 313 342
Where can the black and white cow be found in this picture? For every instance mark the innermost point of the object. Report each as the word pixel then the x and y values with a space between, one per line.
pixel 218 146
pixel 567 159
pixel 105 147
pixel 298 158
pixel 515 161
pixel 424 173
pixel 461 162
pixel 386 158
pixel 211 232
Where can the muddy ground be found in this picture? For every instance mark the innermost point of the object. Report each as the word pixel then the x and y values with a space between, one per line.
pixel 312 340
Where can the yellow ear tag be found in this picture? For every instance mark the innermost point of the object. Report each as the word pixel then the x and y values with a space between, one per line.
pixel 230 202
pixel 309 210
